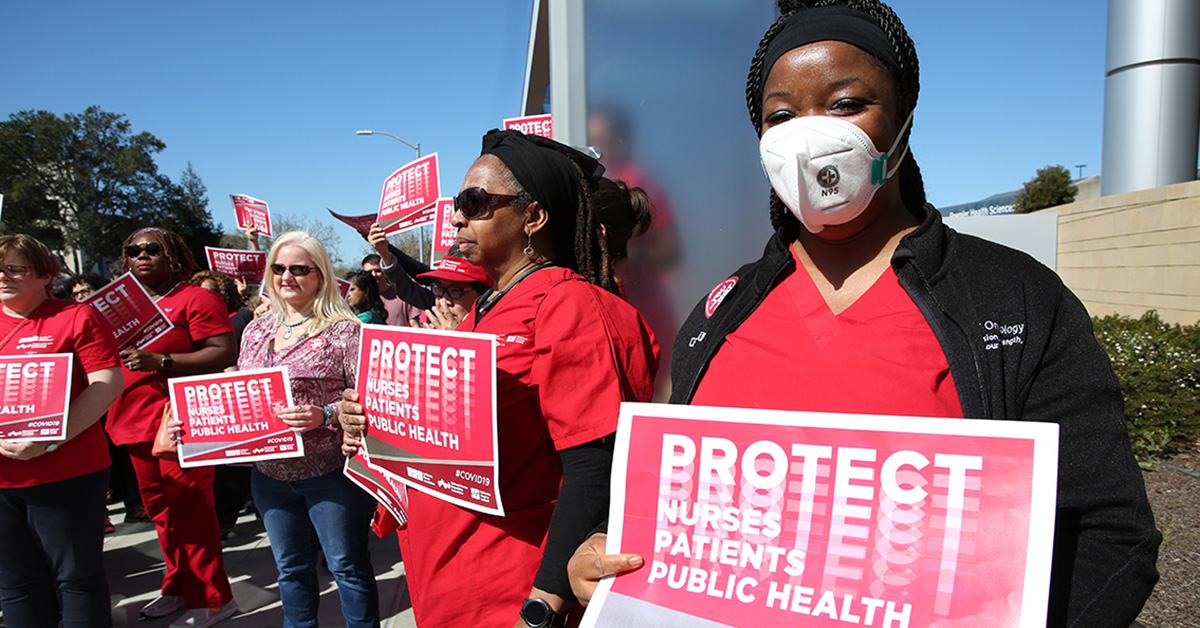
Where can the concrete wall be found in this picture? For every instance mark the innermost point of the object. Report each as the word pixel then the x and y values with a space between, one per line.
pixel 1128 253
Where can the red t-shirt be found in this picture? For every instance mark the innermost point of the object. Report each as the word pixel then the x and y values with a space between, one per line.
pixel 196 314
pixel 62 327
pixel 879 356
pixel 568 354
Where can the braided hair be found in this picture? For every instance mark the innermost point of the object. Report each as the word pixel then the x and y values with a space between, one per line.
pixel 908 85
pixel 575 236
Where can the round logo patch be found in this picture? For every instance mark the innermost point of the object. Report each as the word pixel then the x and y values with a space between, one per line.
pixel 717 295
pixel 828 176
pixel 315 344
pixel 257 335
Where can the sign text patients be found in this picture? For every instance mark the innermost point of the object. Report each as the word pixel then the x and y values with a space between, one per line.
pixel 401 374
pixel 213 408
pixel 721 513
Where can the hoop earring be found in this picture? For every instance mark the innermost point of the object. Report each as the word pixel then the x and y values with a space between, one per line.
pixel 176 266
pixel 529 246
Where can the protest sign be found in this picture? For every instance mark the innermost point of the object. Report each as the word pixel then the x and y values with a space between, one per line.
pixel 531 125
pixel 33 404
pixel 343 286
pixel 251 211
pixel 430 401
pixel 407 193
pixel 361 224
pixel 230 417
pixel 238 263
pixel 445 234
pixel 135 317
pixel 419 218
pixel 387 491
pixel 760 518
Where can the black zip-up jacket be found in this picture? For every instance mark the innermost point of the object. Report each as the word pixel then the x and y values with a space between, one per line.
pixel 1020 346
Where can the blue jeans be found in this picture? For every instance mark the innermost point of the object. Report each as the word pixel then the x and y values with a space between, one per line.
pixel 332 510
pixel 53 545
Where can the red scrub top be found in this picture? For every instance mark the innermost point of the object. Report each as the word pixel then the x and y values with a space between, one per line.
pixel 196 314
pixel 62 327
pixel 879 356
pixel 568 354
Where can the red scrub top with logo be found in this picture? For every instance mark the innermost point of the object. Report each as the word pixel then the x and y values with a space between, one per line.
pixel 879 356
pixel 62 327
pixel 197 314
pixel 568 354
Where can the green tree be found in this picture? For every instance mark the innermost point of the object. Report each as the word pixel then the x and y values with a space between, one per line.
pixel 82 182
pixel 1050 188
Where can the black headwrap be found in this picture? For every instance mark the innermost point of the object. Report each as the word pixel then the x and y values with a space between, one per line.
pixel 831 23
pixel 543 167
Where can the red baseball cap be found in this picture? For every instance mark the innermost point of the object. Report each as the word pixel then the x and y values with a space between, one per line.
pixel 457 269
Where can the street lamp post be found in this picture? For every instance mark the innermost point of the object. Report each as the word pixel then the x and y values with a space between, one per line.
pixel 416 147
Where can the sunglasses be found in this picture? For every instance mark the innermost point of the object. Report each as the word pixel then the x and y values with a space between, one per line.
pixel 451 292
pixel 474 202
pixel 153 249
pixel 297 270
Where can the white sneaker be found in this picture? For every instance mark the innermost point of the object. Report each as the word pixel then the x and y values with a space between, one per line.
pixel 205 617
pixel 163 605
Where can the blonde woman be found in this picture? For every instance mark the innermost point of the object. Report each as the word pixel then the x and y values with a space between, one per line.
pixel 312 331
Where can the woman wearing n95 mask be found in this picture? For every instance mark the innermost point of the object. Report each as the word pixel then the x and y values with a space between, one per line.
pixel 864 302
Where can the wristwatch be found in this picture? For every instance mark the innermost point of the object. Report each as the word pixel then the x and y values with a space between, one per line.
pixel 51 447
pixel 167 362
pixel 538 614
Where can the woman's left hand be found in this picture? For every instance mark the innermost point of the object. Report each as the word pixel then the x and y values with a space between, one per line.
pixel 24 450
pixel 303 418
pixel 139 360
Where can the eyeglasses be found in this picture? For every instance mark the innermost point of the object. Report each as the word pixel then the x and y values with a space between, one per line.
pixel 297 270
pixel 81 293
pixel 474 202
pixel 14 272
pixel 153 249
pixel 451 292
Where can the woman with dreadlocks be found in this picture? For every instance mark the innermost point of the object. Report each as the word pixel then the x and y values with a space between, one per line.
pixel 569 352
pixel 864 302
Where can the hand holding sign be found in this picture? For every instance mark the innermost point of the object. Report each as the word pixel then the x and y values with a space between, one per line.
pixel 590 564
pixel 22 450
pixel 302 418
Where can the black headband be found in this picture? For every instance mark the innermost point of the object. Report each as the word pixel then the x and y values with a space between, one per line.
pixel 544 167
pixel 831 23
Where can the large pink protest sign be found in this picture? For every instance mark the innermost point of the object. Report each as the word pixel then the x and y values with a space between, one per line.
pixel 33 400
pixel 135 317
pixel 252 212
pixel 445 234
pixel 388 492
pixel 230 417
pixel 430 401
pixel 531 125
pixel 238 263
pixel 407 191
pixel 761 518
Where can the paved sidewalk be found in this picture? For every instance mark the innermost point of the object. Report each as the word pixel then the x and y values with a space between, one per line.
pixel 134 564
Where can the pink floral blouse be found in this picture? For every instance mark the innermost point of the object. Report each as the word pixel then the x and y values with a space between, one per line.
pixel 320 367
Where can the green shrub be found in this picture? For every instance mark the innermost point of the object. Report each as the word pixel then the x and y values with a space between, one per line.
pixel 1159 369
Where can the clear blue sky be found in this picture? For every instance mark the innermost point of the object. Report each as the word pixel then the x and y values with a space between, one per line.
pixel 264 98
